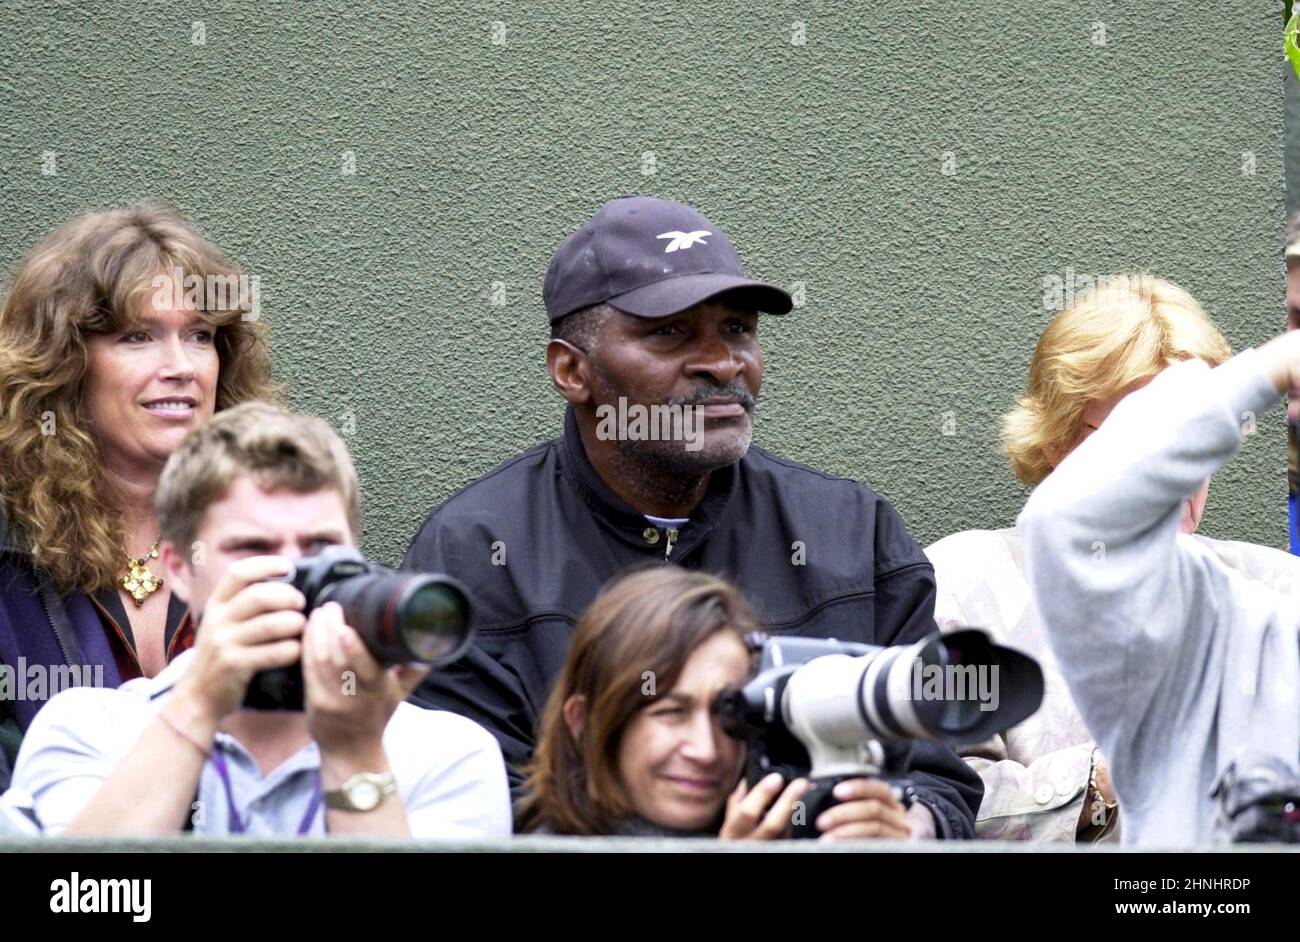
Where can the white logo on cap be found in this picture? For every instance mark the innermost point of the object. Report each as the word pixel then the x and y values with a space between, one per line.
pixel 683 240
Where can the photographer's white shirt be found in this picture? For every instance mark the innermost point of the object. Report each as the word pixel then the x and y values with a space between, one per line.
pixel 449 771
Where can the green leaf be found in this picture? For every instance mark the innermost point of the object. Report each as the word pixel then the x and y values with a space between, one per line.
pixel 1292 50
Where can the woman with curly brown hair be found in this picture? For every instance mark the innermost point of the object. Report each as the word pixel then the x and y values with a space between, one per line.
pixel 119 333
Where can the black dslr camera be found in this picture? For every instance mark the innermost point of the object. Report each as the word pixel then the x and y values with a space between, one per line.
pixel 833 710
pixel 1259 802
pixel 402 617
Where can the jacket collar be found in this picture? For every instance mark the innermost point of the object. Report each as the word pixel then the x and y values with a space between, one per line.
pixel 110 600
pixel 625 519
pixel 11 538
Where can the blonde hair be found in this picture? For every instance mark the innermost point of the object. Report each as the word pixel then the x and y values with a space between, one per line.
pixel 278 449
pixel 1128 328
pixel 91 276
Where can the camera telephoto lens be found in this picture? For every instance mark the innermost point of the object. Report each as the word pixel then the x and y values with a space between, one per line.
pixel 405 617
pixel 432 619
pixel 402 617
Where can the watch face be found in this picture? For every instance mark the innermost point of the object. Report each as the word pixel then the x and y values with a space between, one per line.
pixel 364 795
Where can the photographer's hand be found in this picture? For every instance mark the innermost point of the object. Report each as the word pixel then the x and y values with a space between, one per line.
pixel 867 808
pixel 248 625
pixel 759 815
pixel 350 698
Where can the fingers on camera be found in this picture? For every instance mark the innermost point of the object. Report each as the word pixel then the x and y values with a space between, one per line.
pixel 270 626
pixel 245 572
pixel 263 597
pixel 884 818
pixel 274 654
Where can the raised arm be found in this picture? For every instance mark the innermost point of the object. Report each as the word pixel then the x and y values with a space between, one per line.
pixel 1115 585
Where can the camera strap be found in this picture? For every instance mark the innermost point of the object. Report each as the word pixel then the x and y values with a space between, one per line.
pixel 237 825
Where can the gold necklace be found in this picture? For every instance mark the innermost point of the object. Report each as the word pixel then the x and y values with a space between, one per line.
pixel 138 580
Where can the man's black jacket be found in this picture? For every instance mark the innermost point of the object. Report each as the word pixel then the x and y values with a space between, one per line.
pixel 535 539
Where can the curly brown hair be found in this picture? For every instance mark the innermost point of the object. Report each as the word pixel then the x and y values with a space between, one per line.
pixel 92 275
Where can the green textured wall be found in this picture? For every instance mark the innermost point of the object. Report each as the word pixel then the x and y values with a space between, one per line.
pixel 1090 139
pixel 1291 95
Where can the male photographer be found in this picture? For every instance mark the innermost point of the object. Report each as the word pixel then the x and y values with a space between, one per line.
pixel 242 498
pixel 652 315
pixel 1186 672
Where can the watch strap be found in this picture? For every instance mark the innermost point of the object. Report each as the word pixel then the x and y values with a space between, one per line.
pixel 349 797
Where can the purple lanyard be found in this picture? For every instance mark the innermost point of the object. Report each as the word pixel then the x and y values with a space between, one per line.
pixel 236 823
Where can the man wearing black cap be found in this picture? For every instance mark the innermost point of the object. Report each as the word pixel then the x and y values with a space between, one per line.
pixel 654 346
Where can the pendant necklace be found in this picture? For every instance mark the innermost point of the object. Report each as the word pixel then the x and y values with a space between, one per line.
pixel 139 580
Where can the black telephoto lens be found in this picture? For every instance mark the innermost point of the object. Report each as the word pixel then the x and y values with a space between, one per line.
pixel 405 617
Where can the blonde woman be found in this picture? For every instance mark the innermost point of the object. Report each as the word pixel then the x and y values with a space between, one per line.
pixel 1044 779
pixel 112 348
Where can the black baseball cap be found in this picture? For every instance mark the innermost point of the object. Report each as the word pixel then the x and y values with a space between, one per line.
pixel 651 258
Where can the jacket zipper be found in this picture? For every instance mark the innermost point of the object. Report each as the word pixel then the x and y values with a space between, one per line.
pixel 672 539
pixel 67 658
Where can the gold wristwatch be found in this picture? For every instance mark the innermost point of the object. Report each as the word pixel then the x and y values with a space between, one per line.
pixel 364 791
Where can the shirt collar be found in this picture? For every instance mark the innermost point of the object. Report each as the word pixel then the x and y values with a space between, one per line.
pixel 306 758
